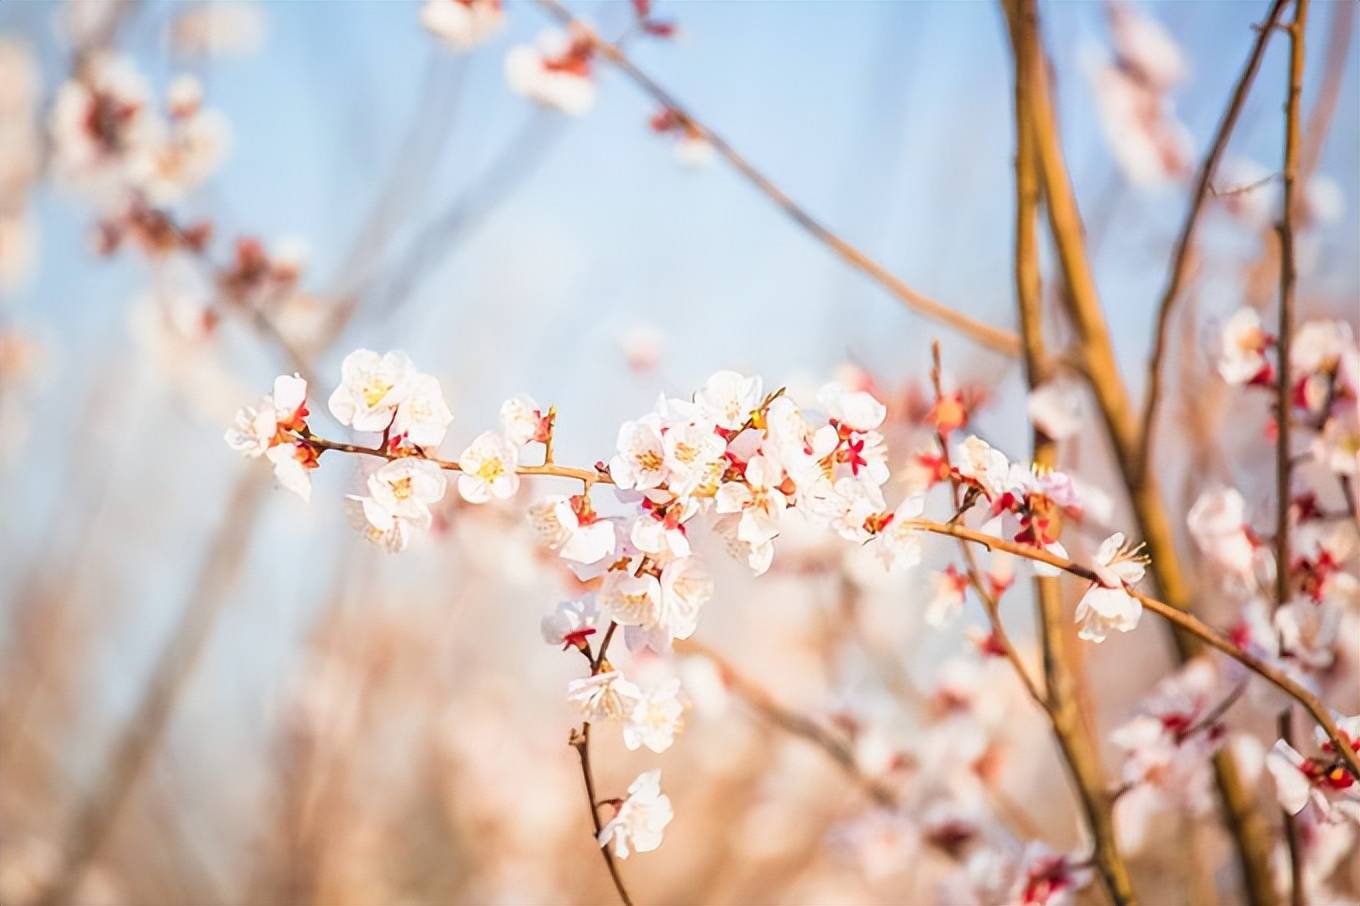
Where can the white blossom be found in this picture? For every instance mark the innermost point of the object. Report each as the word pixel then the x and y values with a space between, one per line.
pixel 641 819
pixel 422 417
pixel 655 719
pixel 728 398
pixel 569 622
pixel 1107 605
pixel 555 72
pixel 371 388
pixel 488 466
pixel 462 24
pixel 604 696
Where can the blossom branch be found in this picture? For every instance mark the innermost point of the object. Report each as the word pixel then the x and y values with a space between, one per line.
pixel 764 704
pixel 1180 260
pixel 587 477
pixel 1074 739
pixel 1083 305
pixel 580 741
pixel 1179 618
pixel 997 339
pixel 1285 335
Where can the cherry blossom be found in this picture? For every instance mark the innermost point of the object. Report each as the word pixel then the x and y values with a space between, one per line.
pixel 570 526
pixel 606 695
pixel 463 24
pixel 422 417
pixel 555 72
pixel 1239 353
pixel 1217 522
pixel 522 420
pixel 399 497
pixel 641 819
pixel 570 623
pixel 264 430
pixel 640 462
pixel 948 590
pixel 1321 780
pixel 1107 605
pixel 728 398
pixel 371 388
pixel 1056 408
pixel 488 466
pixel 655 719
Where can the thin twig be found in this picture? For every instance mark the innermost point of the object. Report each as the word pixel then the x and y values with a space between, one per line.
pixel 1002 341
pixel 1180 260
pixel 1073 736
pixel 1083 306
pixel 1181 619
pixel 580 741
pixel 1283 393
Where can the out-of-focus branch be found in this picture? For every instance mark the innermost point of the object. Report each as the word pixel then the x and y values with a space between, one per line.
pixel 580 741
pixel 1002 341
pixel 1283 401
pixel 760 701
pixel 1074 740
pixel 1083 305
pixel 1180 259
pixel 143 732
pixel 1178 617
pixel 1333 73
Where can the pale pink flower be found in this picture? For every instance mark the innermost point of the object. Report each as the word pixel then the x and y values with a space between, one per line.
pixel 1107 605
pixel 1057 408
pixel 604 696
pixel 463 24
pixel 422 418
pixel 641 461
pixel 630 600
pixel 1217 522
pixel 371 388
pixel 570 622
pixel 728 398
pixel 571 527
pixel 488 465
pixel 1337 445
pixel 855 409
pixel 655 719
pixel 555 72
pixel 641 819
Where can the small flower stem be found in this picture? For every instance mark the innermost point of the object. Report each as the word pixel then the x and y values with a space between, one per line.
pixel 1181 619
pixel 1284 464
pixel 580 741
pixel 1180 259
pixel 997 339
pixel 1062 702
pixel 586 476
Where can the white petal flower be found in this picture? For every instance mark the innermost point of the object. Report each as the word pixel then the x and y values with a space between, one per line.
pixel 580 536
pixel 630 600
pixel 1337 445
pixel 570 622
pixel 253 431
pixel 1292 786
pixel 855 409
pixel 1240 351
pixel 521 419
pixel 488 466
pixel 406 488
pixel 291 469
pixel 555 73
pixel 1107 605
pixel 641 819
pixel 976 461
pixel 422 417
pixel 1056 408
pixel 462 24
pixel 685 588
pixel 655 719
pixel 640 463
pixel 371 388
pixel 899 544
pixel 728 398
pixel 604 696
pixel 1217 522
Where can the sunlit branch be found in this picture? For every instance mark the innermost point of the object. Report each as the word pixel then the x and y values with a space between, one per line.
pixel 1180 259
pixel 1181 619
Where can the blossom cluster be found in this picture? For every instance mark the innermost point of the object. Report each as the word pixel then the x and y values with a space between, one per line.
pixel 733 465
pixel 110 141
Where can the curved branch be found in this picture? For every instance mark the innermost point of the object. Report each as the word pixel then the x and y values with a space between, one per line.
pixel 1181 619
pixel 997 339
pixel 1180 261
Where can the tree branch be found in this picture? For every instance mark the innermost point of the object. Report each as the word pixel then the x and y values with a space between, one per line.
pixel 1180 259
pixel 997 339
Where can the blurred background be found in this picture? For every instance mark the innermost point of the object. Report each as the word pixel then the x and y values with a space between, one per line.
pixel 213 692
